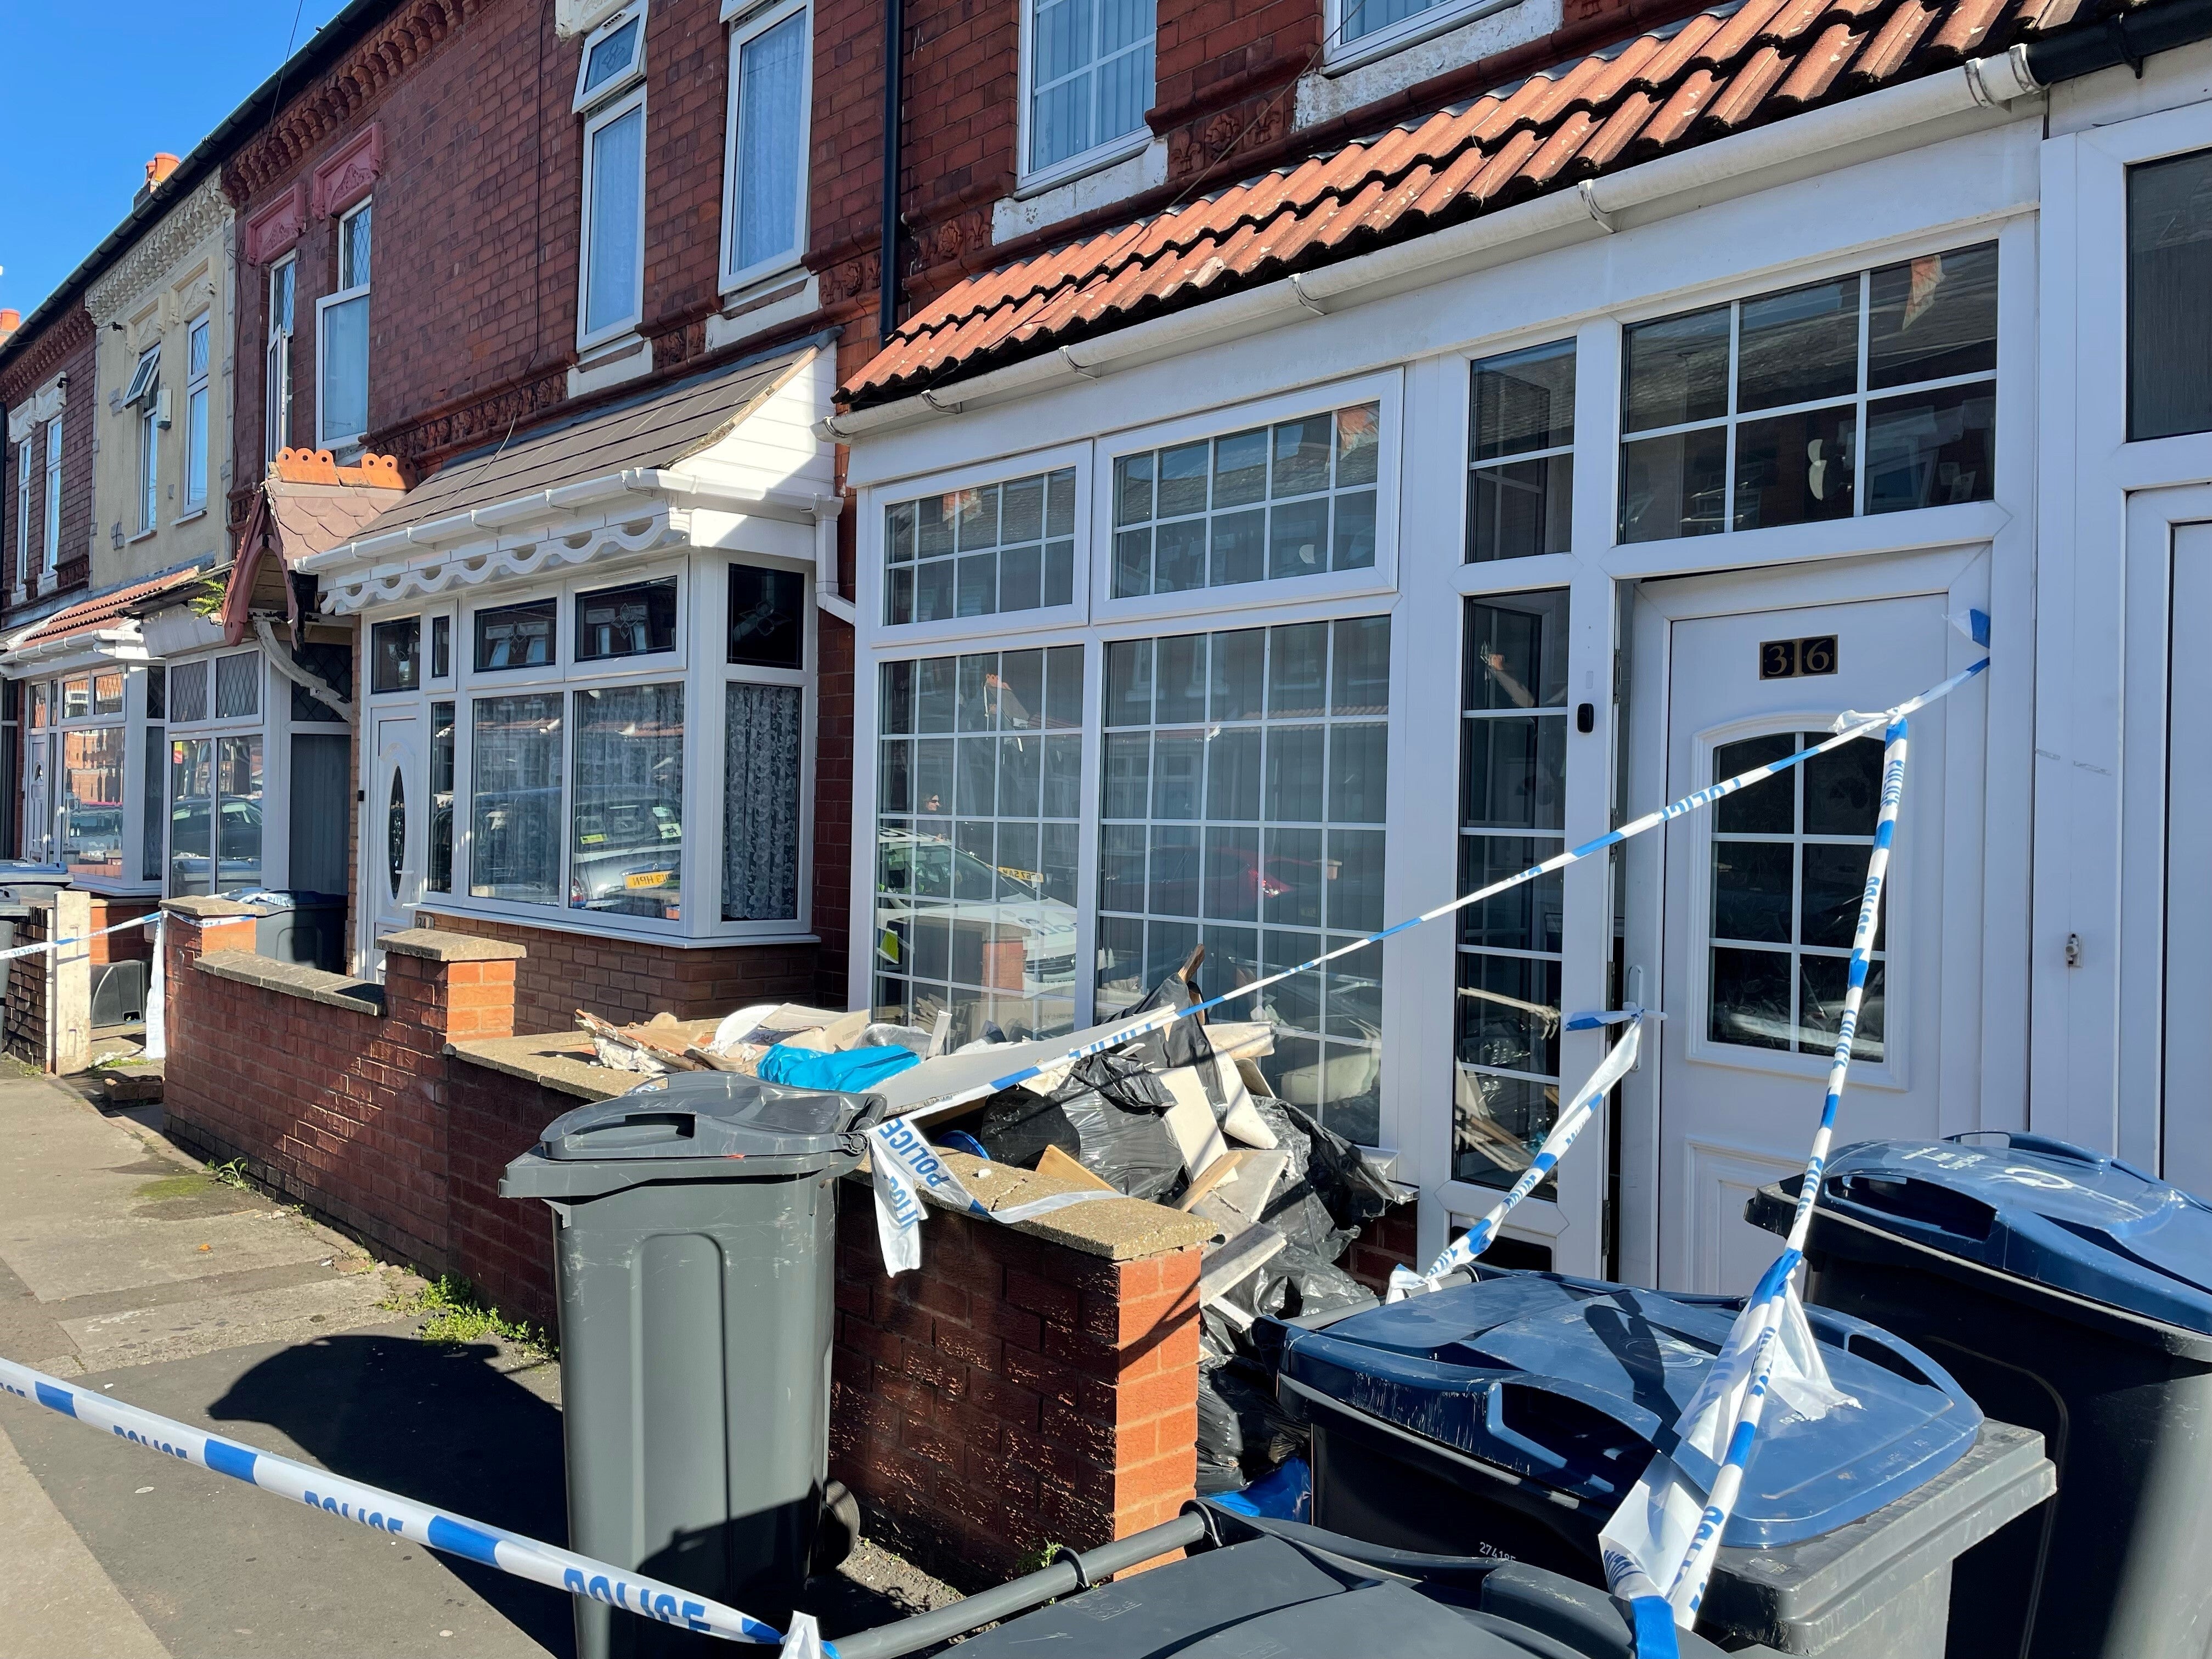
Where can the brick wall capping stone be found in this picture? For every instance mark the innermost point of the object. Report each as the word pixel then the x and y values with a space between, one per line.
pixel 438 945
pixel 212 910
pixel 560 1060
pixel 295 979
pixel 1118 1228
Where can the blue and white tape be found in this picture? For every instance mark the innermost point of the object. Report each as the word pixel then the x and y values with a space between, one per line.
pixel 390 1513
pixel 1646 1555
pixel 906 1166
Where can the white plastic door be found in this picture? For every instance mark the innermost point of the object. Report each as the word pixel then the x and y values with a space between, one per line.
pixel 393 827
pixel 1760 895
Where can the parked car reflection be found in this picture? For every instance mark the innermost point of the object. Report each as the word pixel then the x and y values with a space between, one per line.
pixel 944 914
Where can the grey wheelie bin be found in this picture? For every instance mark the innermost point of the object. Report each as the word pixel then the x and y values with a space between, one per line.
pixel 2072 1294
pixel 1509 1416
pixel 695 1243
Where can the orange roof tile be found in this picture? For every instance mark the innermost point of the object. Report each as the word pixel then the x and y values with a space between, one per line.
pixel 107 609
pixel 1736 66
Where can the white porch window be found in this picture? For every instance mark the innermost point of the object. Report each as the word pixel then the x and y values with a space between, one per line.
pixel 342 376
pixel 195 415
pixel 2169 263
pixel 770 93
pixel 1088 81
pixel 1866 393
pixel 90 795
pixel 1243 778
pixel 277 369
pixel 763 744
pixel 1521 495
pixel 977 552
pixel 216 774
pixel 52 556
pixel 979 804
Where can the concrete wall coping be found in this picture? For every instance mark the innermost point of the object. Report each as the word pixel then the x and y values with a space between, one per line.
pixel 211 909
pixel 560 1060
pixel 295 979
pixel 438 945
pixel 1118 1228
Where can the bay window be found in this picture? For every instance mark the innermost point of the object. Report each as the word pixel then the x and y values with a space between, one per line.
pixel 764 210
pixel 977 552
pixel 514 799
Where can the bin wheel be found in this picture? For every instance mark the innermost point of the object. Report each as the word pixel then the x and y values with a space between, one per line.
pixel 839 1529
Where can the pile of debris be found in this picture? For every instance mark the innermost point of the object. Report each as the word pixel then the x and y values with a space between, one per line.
pixel 1181 1116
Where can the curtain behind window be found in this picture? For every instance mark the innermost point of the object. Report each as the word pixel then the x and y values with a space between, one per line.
pixel 759 802
pixel 617 221
pixel 771 78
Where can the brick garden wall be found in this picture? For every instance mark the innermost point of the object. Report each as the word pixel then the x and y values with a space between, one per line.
pixel 27 993
pixel 1012 1394
pixel 621 981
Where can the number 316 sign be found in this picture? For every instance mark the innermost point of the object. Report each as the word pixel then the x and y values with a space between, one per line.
pixel 1790 659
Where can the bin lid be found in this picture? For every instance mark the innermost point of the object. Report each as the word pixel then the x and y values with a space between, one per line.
pixel 2039 1209
pixel 706 1115
pixel 1573 1383
pixel 22 872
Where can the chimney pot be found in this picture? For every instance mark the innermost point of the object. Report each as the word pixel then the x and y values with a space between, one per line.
pixel 159 167
pixel 10 321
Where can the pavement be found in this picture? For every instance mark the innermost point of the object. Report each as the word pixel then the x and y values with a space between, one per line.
pixel 124 1264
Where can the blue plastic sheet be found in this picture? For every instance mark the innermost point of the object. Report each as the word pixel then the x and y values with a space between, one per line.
pixel 854 1070
pixel 1285 1495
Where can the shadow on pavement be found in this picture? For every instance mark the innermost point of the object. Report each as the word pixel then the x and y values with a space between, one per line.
pixel 435 1424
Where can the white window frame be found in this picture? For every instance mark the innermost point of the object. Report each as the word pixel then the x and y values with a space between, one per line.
pixel 603 116
pixel 26 454
pixel 148 406
pixel 270 723
pixel 51 555
pixel 323 306
pixel 200 330
pixel 277 358
pixel 629 76
pixel 751 27
pixel 1103 153
pixel 1386 388
pixel 875 571
pixel 1340 54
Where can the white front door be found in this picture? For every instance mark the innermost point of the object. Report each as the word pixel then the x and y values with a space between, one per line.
pixel 1757 898
pixel 393 829
pixel 38 798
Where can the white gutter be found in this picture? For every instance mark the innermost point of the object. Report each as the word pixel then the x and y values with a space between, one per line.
pixel 1890 115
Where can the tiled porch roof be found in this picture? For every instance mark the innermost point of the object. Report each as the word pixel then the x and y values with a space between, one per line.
pixel 1733 67
pixel 105 610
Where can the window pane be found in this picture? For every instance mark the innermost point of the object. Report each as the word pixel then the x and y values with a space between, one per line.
pixel 1524 401
pixel 354 246
pixel 394 658
pixel 153 769
pixel 1517 651
pixel 1521 509
pixel 238 685
pixel 92 802
pixel 617 222
pixel 1928 448
pixel 1750 1004
pixel 238 813
pixel 515 635
pixel 975 552
pixel 2169 268
pixel 771 149
pixel 1822 984
pixel 1673 486
pixel 196 436
pixel 192 787
pixel 611 55
pixel 441 797
pixel 345 372
pixel 1768 807
pixel 763 770
pixel 188 691
pixel 767 617
pixel 1795 468
pixel 1523 918
pixel 1752 889
pixel 1934 317
pixel 1497 1121
pixel 76 699
pixel 1799 345
pixel 107 694
pixel 626 622
pixel 1676 369
pixel 441 648
pixel 514 800
pixel 626 855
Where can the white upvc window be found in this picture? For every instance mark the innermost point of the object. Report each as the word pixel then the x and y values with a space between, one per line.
pixel 52 556
pixel 195 415
pixel 610 97
pixel 144 397
pixel 613 60
pixel 218 751
pixel 764 204
pixel 98 740
pixel 276 374
pixel 1360 30
pixel 341 338
pixel 25 465
pixel 1086 83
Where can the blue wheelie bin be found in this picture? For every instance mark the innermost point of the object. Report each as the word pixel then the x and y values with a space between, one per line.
pixel 1509 1416
pixel 2072 1294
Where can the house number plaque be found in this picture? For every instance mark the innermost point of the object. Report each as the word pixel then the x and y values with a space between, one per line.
pixel 1791 659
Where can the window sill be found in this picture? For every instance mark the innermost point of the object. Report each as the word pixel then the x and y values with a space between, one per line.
pixel 1358 54
pixel 609 363
pixel 197 514
pixel 150 531
pixel 768 303
pixel 1075 166
pixel 599 924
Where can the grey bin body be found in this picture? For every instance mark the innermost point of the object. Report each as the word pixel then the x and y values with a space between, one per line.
pixel 694 1247
pixel 299 925
pixel 2120 1565
pixel 21 883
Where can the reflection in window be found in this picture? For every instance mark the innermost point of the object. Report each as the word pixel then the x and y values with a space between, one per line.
pixel 763 768
pixel 1790 858
pixel 1746 416
pixel 215 815
pixel 1294 499
pixel 515 635
pixel 152 764
pixel 1245 775
pixel 626 855
pixel 107 694
pixel 2169 267
pixel 92 801
pixel 979 795
pixel 514 800
pixel 1521 496
pixel 441 648
pixel 1513 752
pixel 626 622
pixel 977 552
pixel 395 655
pixel 441 797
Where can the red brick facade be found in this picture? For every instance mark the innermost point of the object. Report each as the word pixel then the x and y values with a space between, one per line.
pixel 63 346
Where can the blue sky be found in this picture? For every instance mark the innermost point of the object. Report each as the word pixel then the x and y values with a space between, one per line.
pixel 95 88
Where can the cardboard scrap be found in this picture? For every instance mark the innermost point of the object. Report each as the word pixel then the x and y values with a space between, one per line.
pixel 1212 1176
pixel 1055 1161
pixel 1241 1120
pixel 1191 1120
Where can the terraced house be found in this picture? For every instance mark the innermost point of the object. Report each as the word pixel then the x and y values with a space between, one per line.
pixel 1334 455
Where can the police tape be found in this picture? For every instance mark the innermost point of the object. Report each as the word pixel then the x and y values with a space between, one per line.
pixel 390 1513
pixel 1652 1542
pixel 151 922
pixel 898 1208
pixel 905 1166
